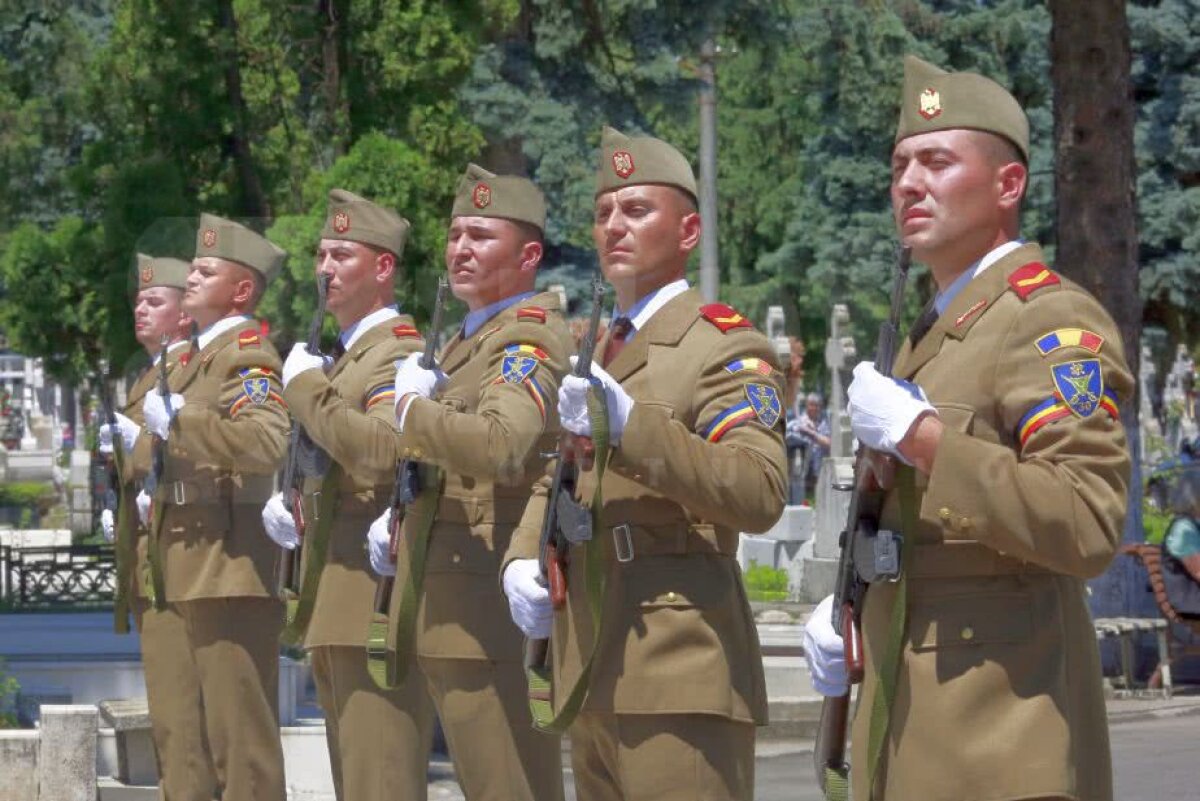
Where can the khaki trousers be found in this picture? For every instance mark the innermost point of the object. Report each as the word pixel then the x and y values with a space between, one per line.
pixel 484 709
pixel 185 765
pixel 662 758
pixel 234 644
pixel 379 740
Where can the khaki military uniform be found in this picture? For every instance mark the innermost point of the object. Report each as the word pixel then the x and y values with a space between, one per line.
pixel 218 566
pixel 172 686
pixel 677 681
pixel 999 694
pixel 379 740
pixel 486 432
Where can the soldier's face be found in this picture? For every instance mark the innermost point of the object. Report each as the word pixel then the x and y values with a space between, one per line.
pixel 489 259
pixel 951 198
pixel 214 288
pixel 158 310
pixel 357 273
pixel 643 235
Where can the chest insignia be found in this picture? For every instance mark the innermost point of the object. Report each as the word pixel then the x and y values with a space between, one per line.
pixel 1069 338
pixel 969 313
pixel 1080 385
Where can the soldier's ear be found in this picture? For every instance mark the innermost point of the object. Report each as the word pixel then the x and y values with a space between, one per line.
pixel 385 265
pixel 689 231
pixel 531 256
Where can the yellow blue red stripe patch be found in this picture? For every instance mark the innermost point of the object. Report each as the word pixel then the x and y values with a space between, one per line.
pixel 1069 338
pixel 753 365
pixel 1054 408
pixel 732 417
pixel 381 393
pixel 245 398
pixel 532 350
pixel 539 396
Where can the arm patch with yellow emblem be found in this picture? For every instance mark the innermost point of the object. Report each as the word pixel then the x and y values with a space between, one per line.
pixel 519 366
pixel 256 389
pixel 761 405
pixel 1079 391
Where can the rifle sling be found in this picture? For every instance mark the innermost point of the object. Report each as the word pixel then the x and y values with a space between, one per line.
pixel 316 552
pixel 123 547
pixel 541 677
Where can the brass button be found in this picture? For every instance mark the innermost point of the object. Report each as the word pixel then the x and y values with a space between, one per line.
pixel 967 633
pixel 944 513
pixel 672 597
pixel 964 523
pixel 416 453
pixel 456 558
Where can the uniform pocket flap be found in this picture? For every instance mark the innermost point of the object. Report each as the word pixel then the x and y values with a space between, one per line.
pixel 956 416
pixel 656 587
pixel 962 620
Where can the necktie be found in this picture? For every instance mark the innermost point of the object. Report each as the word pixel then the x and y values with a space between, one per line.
pixel 338 350
pixel 923 324
pixel 617 337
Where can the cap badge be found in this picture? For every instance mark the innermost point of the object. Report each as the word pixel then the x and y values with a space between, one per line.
pixel 623 163
pixel 209 237
pixel 341 222
pixel 482 196
pixel 147 275
pixel 931 103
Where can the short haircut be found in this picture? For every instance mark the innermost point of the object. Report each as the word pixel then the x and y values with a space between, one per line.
pixel 813 397
pixel 529 232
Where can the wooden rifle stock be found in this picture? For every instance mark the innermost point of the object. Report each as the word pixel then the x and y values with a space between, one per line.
pixel 829 755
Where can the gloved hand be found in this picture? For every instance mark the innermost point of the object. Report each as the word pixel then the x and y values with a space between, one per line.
pixel 572 403
pixel 279 523
pixel 413 379
pixel 882 410
pixel 299 360
pixel 108 525
pixel 824 652
pixel 379 545
pixel 528 598
pixel 128 429
pixel 154 410
pixel 143 507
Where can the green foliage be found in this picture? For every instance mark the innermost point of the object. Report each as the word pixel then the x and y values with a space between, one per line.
pixel 1154 524
pixel 29 494
pixel 9 689
pixel 765 583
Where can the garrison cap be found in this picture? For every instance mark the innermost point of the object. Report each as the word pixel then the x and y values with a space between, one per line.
pixel 936 100
pixel 357 219
pixel 161 271
pixel 631 160
pixel 225 239
pixel 484 194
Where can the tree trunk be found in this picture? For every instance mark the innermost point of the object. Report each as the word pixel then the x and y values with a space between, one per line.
pixel 1096 227
pixel 332 22
pixel 254 199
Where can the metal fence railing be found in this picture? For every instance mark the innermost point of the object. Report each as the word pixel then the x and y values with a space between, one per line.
pixel 74 577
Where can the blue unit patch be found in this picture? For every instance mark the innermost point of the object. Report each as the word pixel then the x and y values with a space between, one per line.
pixel 1080 385
pixel 516 369
pixel 257 389
pixel 764 400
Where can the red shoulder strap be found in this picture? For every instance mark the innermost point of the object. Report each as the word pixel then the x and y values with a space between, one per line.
pixel 531 313
pixel 1029 278
pixel 723 317
pixel 404 331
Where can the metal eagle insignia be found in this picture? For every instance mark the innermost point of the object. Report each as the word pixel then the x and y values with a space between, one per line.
pixel 257 389
pixel 209 237
pixel 764 400
pixel 482 196
pixel 341 222
pixel 930 103
pixel 622 161
pixel 1080 385
pixel 516 369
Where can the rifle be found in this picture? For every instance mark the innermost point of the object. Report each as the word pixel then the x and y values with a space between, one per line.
pixel 158 461
pixel 566 521
pixel 113 468
pixel 304 458
pixel 881 564
pixel 408 476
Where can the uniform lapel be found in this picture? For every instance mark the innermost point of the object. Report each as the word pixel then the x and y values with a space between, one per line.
pixel 665 327
pixel 365 341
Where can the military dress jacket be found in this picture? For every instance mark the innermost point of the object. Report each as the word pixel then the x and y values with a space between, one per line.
pixel 487 430
pixel 999 690
pixel 224 447
pixel 351 414
pixel 700 460
pixel 138 462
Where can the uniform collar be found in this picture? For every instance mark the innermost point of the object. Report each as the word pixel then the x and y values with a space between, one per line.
pixel 220 327
pixel 352 334
pixel 641 311
pixel 475 320
pixel 176 345
pixel 943 299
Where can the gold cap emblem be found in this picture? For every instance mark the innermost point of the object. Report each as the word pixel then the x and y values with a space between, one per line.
pixel 481 196
pixel 931 103
pixel 209 237
pixel 147 275
pixel 622 161
pixel 341 222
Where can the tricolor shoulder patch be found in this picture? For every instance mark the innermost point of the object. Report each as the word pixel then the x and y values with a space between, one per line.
pixel 761 366
pixel 531 313
pixel 404 331
pixel 256 389
pixel 1030 278
pixel 248 339
pixel 723 317
pixel 1069 338
pixel 381 394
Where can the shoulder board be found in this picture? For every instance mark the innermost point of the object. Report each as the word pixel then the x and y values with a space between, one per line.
pixel 247 339
pixel 1030 278
pixel 723 317
pixel 531 313
pixel 406 332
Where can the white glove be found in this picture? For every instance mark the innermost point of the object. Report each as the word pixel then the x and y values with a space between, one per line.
pixel 413 379
pixel 824 652
pixel 279 523
pixel 143 507
pixel 108 525
pixel 129 433
pixel 572 403
pixel 882 410
pixel 300 360
pixel 379 545
pixel 155 412
pixel 528 598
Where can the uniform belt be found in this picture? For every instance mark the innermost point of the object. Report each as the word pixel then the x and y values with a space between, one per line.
pixel 189 493
pixel 963 558
pixel 629 541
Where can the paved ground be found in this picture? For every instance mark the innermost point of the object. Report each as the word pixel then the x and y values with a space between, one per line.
pixel 1155 757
